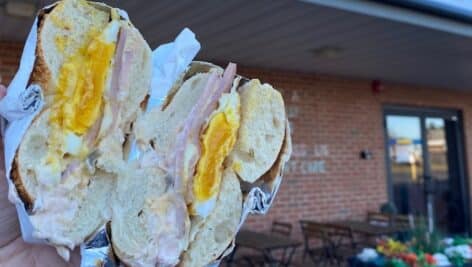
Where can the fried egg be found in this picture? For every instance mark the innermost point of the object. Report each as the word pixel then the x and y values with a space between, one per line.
pixel 217 141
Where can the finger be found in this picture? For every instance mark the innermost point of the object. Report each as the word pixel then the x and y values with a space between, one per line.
pixel 3 91
pixel 75 257
pixel 9 227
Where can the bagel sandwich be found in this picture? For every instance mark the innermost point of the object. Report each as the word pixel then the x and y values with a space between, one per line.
pixel 94 69
pixel 221 131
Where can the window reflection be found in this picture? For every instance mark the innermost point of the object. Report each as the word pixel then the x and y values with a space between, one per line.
pixel 437 148
pixel 406 163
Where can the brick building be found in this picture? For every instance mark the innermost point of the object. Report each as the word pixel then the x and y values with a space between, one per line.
pixel 338 116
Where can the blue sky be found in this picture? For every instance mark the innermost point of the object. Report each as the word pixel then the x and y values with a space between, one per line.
pixel 459 4
pixel 404 127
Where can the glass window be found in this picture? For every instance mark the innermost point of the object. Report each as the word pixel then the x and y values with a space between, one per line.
pixel 437 148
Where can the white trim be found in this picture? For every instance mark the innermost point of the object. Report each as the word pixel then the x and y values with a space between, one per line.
pixel 398 14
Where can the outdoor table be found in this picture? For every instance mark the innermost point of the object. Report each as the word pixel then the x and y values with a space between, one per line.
pixel 368 229
pixel 267 244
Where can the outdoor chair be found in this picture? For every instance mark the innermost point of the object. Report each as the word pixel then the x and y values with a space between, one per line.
pixel 317 243
pixel 378 218
pixel 278 228
pixel 343 243
pixel 281 228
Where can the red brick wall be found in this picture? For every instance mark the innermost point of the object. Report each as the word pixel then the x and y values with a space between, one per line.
pixel 342 116
pixel 332 120
pixel 10 53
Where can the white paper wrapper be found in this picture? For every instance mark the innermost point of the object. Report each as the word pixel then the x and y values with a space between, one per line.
pixel 23 102
pixel 12 108
pixel 169 61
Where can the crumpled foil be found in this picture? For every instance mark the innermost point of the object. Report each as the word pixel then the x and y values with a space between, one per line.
pixel 98 251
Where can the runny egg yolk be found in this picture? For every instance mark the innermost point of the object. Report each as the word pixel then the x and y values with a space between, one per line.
pixel 216 143
pixel 81 85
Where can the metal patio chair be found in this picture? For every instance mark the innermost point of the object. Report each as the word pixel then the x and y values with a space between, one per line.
pixel 317 244
pixel 278 228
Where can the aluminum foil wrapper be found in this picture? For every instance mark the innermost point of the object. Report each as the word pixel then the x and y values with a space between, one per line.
pixel 97 251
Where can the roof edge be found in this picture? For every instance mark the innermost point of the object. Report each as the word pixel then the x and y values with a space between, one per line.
pixel 399 14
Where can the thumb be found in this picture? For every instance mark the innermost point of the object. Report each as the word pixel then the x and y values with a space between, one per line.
pixel 3 91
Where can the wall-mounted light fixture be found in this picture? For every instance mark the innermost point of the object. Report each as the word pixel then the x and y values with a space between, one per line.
pixel 366 154
pixel 376 86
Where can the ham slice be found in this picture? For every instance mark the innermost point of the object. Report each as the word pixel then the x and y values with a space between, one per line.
pixel 92 134
pixel 120 77
pixel 119 82
pixel 118 66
